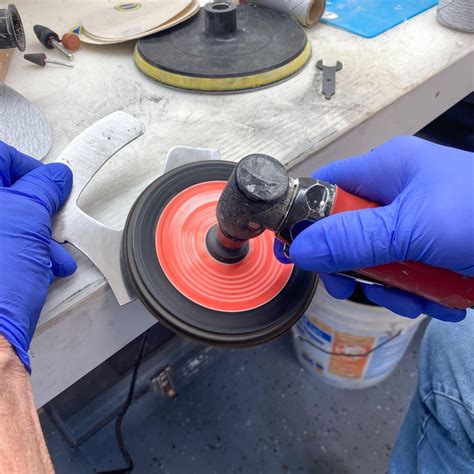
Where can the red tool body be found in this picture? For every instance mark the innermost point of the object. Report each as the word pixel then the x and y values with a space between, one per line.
pixel 434 283
pixel 260 195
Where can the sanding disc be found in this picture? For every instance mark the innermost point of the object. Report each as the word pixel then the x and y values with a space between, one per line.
pixel 127 20
pixel 260 47
pixel 234 305
pixel 184 15
pixel 23 125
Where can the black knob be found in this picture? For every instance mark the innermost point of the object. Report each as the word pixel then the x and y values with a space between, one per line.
pixel 220 18
pixel 255 198
pixel 261 178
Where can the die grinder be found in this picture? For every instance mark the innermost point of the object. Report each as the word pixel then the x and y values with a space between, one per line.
pixel 197 245
pixel 260 195
pixel 198 250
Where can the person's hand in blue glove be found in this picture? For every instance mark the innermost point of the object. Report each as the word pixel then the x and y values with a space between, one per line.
pixel 30 193
pixel 427 193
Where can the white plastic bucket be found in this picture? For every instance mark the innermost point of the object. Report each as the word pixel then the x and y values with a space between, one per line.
pixel 350 345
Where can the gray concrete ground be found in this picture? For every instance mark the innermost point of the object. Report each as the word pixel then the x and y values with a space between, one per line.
pixel 255 411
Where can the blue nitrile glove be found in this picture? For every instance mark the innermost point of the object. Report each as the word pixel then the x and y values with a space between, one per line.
pixel 428 216
pixel 30 193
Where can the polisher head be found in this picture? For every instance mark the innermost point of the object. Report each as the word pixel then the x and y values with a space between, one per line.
pixel 178 279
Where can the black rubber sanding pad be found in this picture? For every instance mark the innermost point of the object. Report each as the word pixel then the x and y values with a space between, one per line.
pixel 170 306
pixel 260 47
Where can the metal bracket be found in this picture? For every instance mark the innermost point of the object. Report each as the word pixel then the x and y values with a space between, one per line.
pixel 85 155
pixel 329 77
pixel 164 382
pixel 184 155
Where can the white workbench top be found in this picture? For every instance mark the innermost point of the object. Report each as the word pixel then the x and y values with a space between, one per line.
pixel 290 121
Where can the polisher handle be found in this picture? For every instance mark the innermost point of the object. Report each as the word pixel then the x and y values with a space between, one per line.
pixel 434 283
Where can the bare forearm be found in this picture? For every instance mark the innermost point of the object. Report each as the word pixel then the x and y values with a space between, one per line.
pixel 22 445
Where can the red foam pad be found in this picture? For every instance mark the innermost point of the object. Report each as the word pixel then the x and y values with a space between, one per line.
pixel 180 242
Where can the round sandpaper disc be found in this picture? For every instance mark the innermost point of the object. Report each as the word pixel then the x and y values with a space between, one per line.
pixel 127 20
pixel 184 15
pixel 267 47
pixel 22 125
pixel 176 308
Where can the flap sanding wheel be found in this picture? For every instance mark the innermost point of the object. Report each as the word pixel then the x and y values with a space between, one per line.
pixel 225 48
pixel 176 278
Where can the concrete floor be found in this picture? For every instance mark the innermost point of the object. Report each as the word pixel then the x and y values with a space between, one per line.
pixel 255 411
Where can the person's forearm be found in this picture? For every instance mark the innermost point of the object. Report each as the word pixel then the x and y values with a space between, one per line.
pixel 22 445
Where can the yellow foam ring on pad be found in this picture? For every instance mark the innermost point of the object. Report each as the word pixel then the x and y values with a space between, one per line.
pixel 223 84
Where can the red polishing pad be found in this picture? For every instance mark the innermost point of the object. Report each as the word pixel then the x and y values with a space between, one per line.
pixel 180 242
pixel 176 278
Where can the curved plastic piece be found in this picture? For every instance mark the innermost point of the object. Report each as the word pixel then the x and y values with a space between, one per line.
pixel 434 283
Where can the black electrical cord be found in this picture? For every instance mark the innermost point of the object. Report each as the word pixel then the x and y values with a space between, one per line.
pixel 118 423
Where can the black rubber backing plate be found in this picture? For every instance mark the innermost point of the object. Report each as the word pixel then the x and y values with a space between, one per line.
pixel 265 40
pixel 240 329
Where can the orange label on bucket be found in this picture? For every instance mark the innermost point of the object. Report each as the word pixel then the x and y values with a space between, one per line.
pixel 324 327
pixel 348 364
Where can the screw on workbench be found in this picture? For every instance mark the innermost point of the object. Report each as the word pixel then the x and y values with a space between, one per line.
pixel 49 39
pixel 40 59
